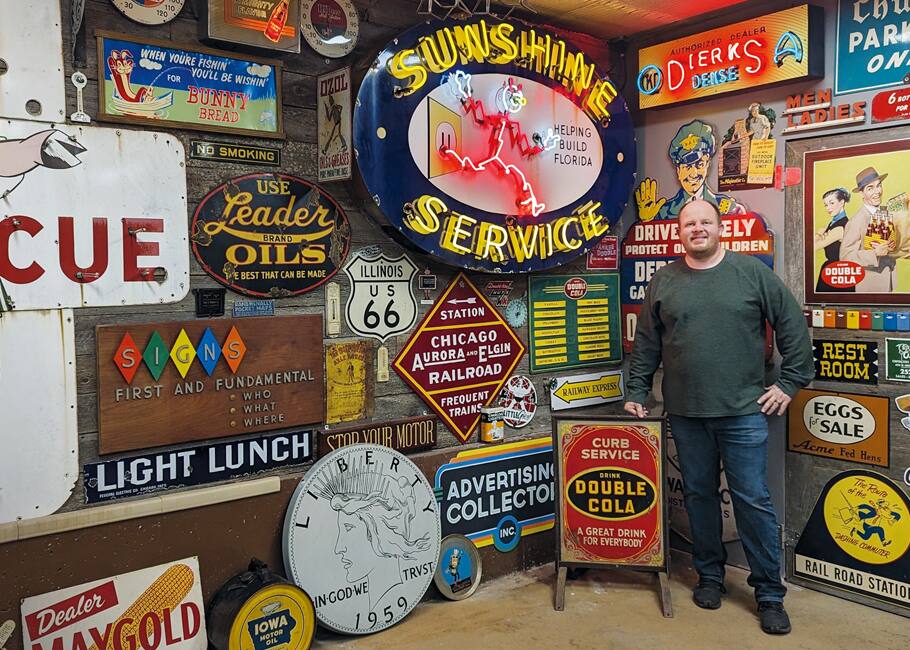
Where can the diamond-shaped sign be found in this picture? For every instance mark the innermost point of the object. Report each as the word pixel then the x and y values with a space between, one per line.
pixel 155 355
pixel 183 353
pixel 460 356
pixel 126 358
pixel 208 351
pixel 233 349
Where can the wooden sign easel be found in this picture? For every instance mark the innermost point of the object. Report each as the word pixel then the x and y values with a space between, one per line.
pixel 611 501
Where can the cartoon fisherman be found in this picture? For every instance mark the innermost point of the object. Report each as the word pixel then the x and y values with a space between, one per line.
pixel 691 152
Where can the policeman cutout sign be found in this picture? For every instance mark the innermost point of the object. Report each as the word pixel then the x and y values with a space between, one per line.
pixel 381 303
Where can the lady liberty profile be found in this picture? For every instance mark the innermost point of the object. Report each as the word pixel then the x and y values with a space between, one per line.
pixel 375 516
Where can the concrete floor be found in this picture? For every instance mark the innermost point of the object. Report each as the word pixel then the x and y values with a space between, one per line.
pixel 611 610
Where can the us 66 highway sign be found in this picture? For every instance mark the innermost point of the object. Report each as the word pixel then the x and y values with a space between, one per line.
pixel 381 302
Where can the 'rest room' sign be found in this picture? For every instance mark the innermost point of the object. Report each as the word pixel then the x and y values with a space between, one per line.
pixel 74 232
pixel 513 151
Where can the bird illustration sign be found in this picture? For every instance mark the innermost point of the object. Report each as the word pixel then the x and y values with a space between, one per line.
pixel 77 230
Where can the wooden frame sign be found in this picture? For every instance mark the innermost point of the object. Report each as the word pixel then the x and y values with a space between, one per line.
pixel 145 81
pixel 611 506
pixel 165 383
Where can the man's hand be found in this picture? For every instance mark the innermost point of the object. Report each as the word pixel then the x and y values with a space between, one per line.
pixel 881 249
pixel 646 197
pixel 636 409
pixel 774 399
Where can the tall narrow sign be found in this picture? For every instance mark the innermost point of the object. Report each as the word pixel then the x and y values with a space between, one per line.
pixel 333 117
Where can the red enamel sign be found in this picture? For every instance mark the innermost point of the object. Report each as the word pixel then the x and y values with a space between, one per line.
pixel 891 105
pixel 460 356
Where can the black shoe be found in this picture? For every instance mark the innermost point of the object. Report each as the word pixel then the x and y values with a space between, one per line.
pixel 707 594
pixel 774 619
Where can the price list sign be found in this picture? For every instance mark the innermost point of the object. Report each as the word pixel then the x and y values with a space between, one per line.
pixel 574 321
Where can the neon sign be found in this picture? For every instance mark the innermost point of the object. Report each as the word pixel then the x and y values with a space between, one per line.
pixel 512 151
pixel 774 48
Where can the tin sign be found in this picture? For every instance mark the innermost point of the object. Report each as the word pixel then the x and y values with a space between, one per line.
pixel 75 232
pixel 518 398
pixel 406 435
pixel 165 383
pixel 232 152
pixel 891 106
pixel 590 389
pixel 333 119
pixel 497 495
pixel 158 607
pixel 604 256
pixel 845 426
pixel 610 491
pixel 248 308
pixel 191 466
pixel 516 156
pixel 870 51
pixel 460 356
pixel 850 362
pixel 266 24
pixel 152 82
pixel 897 359
pixel 348 381
pixel 381 303
pixel 270 235
pixel 460 568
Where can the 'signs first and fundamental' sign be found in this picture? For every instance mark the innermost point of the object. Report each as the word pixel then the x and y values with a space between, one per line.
pixel 460 356
pixel 164 383
pixel 610 487
pixel 513 151
pixel 770 49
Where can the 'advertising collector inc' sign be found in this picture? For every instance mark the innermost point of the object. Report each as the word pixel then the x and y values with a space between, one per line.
pixel 514 151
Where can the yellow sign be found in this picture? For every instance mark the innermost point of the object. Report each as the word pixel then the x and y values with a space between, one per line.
pixel 601 387
pixel 868 519
pixel 348 393
pixel 277 617
pixel 762 156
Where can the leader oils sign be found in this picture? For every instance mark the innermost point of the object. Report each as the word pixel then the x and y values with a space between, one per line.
pixel 770 49
pixel 513 151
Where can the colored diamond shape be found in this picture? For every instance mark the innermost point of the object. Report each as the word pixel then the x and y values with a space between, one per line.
pixel 234 349
pixel 208 351
pixel 183 353
pixel 155 355
pixel 127 357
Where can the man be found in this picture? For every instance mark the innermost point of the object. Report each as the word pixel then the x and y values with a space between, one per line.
pixel 877 261
pixel 757 124
pixel 704 317
pixel 691 152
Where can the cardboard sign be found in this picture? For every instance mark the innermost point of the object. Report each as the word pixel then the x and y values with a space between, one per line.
pixel 574 320
pixel 850 362
pixel 158 607
pixel 648 246
pixel 856 539
pixel 515 157
pixel 333 119
pixel 604 256
pixel 270 235
pixel 459 356
pixel 348 381
pixel 266 24
pixel 590 389
pixel 897 359
pixel 381 303
pixel 498 495
pixel 868 55
pixel 190 466
pixel 76 233
pixel 245 154
pixel 164 383
pixel 406 435
pixel 610 491
pixel 153 82
pixel 853 428
pixel 891 106
pixel 748 54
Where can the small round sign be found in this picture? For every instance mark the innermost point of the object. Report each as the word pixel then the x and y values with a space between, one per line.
pixel 519 399
pixel 330 27
pixel 150 12
pixel 361 536
pixel 507 534
pixel 459 571
pixel 276 616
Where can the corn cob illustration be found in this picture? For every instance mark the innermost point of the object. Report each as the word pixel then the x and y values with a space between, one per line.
pixel 168 591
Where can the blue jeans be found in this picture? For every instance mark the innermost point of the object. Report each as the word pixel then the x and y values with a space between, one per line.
pixel 741 442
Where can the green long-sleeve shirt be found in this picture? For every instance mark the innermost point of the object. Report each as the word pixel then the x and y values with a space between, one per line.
pixel 708 328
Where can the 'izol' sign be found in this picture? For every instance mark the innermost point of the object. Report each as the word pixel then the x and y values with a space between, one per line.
pixel 513 151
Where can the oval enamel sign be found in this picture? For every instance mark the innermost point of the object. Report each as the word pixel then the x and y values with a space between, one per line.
pixel 838 420
pixel 611 493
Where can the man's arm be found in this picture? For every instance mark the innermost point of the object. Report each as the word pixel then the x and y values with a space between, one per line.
pixel 797 367
pixel 851 248
pixel 646 354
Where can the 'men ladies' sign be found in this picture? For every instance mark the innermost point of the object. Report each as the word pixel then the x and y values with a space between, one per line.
pixel 493 145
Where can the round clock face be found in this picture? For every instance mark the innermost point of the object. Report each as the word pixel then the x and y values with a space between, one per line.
pixel 150 12
pixel 330 27
pixel 361 536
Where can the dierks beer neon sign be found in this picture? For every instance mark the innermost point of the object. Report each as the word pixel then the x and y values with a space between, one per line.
pixel 513 151
pixel 774 48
